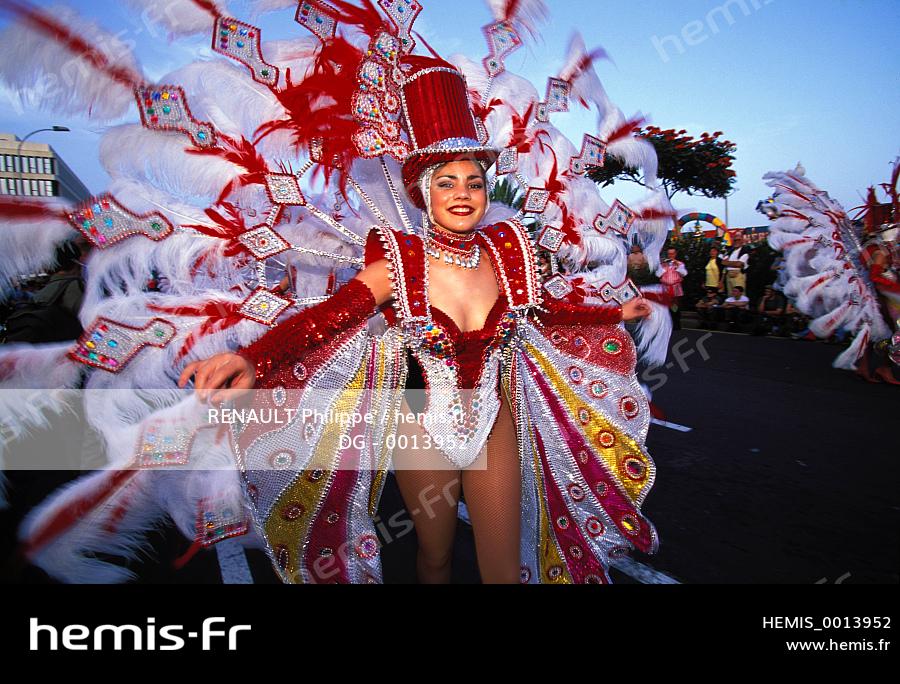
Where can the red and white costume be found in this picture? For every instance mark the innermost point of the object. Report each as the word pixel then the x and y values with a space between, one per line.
pixel 209 196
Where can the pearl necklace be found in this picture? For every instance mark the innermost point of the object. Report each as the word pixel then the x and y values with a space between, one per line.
pixel 455 249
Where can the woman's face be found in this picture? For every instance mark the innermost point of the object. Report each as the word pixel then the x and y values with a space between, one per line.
pixel 458 196
pixel 713 253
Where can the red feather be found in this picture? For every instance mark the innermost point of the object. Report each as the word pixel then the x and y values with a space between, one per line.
pixel 661 294
pixel 569 226
pixel 482 111
pixel 219 316
pixel 366 17
pixel 793 213
pixel 520 139
pixel 228 227
pixel 655 214
pixel 509 12
pixel 242 153
pixel 821 280
pixel 11 209
pixel 209 6
pixel 76 510
pixel 554 183
pixel 319 106
pixel 625 129
pixel 794 243
pixel 585 63
pixel 793 192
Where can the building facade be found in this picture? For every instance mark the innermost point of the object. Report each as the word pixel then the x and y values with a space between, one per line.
pixel 33 169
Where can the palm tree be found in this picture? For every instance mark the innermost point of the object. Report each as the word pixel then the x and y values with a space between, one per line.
pixel 508 193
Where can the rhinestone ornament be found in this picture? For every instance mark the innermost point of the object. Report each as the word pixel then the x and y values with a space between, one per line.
pixel 551 239
pixel 105 222
pixel 283 188
pixel 241 42
pixel 558 286
pixel 536 200
pixel 163 444
pixel 164 108
pixel 557 95
pixel 263 242
pixel 219 519
pixel 507 161
pixel 311 15
pixel 263 306
pixel 502 40
pixel 593 153
pixel 619 218
pixel 109 345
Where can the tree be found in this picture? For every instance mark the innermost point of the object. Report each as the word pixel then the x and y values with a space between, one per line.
pixel 508 193
pixel 696 167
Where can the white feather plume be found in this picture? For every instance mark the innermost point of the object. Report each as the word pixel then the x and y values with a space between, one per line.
pixel 248 104
pixel 72 556
pixel 178 17
pixel 45 71
pixel 652 335
pixel 586 87
pixel 161 160
pixel 29 246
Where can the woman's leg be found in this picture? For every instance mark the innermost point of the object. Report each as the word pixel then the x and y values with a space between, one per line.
pixel 493 497
pixel 431 498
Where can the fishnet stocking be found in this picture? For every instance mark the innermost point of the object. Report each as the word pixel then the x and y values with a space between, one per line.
pixel 431 497
pixel 493 497
pixel 493 492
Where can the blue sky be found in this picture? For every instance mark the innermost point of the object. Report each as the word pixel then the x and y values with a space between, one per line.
pixel 787 80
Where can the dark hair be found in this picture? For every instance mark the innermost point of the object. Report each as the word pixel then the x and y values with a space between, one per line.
pixel 738 287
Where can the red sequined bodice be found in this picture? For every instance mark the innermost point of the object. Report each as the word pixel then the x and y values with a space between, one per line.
pixel 469 346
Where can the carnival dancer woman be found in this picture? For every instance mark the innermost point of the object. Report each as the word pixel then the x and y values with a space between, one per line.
pixel 530 379
pixel 445 177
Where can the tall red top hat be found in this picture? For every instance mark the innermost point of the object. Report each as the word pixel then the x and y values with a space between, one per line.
pixel 439 121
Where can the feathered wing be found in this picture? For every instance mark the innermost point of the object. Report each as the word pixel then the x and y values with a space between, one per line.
pixel 582 428
pixel 823 274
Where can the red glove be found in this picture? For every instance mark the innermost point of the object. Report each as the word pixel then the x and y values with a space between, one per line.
pixel 562 312
pixel 348 307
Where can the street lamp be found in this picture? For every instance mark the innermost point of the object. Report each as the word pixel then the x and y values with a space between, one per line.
pixel 57 129
pixel 733 190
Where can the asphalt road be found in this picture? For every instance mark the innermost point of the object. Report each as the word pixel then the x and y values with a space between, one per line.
pixel 789 474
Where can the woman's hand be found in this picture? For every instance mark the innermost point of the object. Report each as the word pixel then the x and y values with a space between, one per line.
pixel 634 309
pixel 231 374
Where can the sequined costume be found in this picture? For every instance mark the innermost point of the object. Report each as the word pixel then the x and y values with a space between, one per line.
pixel 568 369
pixel 254 186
